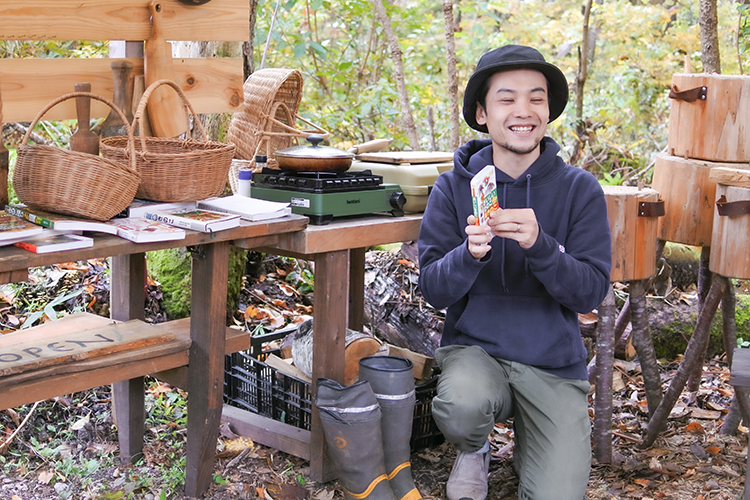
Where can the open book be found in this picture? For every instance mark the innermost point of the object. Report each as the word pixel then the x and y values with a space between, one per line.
pixel 248 208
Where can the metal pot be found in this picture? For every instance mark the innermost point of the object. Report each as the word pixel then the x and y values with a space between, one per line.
pixel 315 158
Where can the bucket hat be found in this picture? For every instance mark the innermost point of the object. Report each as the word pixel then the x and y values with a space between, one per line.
pixel 514 57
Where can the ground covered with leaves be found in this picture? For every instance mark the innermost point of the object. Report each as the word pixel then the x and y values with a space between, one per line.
pixel 66 448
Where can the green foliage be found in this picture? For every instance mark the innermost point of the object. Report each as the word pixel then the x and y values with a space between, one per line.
pixel 301 277
pixel 172 269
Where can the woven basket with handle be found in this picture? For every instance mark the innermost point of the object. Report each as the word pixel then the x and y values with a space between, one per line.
pixel 74 183
pixel 269 116
pixel 174 169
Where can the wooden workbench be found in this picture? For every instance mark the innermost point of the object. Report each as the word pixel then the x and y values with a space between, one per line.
pixel 338 250
pixel 204 347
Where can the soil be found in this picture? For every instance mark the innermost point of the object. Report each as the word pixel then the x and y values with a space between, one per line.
pixel 690 460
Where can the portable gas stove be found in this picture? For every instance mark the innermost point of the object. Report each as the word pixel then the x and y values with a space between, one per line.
pixel 321 196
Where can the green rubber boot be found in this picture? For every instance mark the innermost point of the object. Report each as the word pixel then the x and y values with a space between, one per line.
pixel 392 380
pixel 350 417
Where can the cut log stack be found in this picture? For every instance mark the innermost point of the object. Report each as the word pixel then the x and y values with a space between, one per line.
pixel 705 182
pixel 707 129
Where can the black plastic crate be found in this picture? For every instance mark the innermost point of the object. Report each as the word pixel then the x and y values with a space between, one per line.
pixel 252 385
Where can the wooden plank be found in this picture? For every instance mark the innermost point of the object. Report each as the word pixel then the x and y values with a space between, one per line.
pixel 351 233
pixel 76 346
pixel 731 176
pixel 133 362
pixel 236 340
pixel 248 234
pixel 212 85
pixel 77 322
pixel 218 20
pixel 739 374
pixel 268 432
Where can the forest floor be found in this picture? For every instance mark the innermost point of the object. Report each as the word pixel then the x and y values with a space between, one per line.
pixel 67 448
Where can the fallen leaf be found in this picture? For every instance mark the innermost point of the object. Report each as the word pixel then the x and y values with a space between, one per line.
pixel 325 495
pixel 705 414
pixel 251 312
pixel 641 482
pixel 713 450
pixel 695 427
pixel 286 491
pixel 46 476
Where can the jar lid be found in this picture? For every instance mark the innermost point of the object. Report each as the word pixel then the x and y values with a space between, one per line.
pixel 261 159
pixel 245 174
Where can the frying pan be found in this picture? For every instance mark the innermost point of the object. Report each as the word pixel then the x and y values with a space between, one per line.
pixel 315 158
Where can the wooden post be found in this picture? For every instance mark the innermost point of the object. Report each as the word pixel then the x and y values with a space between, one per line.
pixel 331 309
pixel 210 272
pixel 127 301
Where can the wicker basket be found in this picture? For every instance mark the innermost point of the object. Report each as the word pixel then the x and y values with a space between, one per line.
pixel 74 183
pixel 267 122
pixel 174 169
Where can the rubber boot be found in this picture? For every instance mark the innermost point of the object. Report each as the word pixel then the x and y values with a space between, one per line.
pixel 350 417
pixel 392 380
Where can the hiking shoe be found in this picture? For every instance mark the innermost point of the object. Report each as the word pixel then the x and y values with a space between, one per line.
pixel 468 479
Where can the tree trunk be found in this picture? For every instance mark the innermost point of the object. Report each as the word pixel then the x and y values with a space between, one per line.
pixel 605 346
pixel 583 67
pixel 248 48
pixel 644 347
pixel 704 283
pixel 708 21
pixel 450 55
pixel 693 356
pixel 398 75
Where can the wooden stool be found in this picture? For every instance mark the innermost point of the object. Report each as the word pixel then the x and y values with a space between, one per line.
pixel 709 117
pixel 729 255
pixel 740 378
pixel 632 214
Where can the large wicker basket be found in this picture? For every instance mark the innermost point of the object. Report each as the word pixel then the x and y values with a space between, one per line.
pixel 174 169
pixel 74 183
pixel 268 120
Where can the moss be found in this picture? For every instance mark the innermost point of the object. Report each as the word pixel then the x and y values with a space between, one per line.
pixel 172 269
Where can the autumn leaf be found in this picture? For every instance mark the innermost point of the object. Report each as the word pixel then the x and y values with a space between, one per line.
pixel 695 427
pixel 251 312
pixel 641 482
pixel 713 450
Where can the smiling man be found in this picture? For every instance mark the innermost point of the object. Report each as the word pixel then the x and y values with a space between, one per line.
pixel 512 289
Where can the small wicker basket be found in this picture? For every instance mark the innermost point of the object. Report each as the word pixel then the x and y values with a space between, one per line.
pixel 174 169
pixel 74 183
pixel 267 122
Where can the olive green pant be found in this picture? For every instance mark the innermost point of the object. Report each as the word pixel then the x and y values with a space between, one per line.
pixel 552 450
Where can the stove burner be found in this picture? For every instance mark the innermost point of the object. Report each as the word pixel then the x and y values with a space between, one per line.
pixel 317 182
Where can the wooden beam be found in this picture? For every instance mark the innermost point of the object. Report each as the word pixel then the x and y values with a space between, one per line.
pixel 268 432
pixel 212 85
pixel 218 20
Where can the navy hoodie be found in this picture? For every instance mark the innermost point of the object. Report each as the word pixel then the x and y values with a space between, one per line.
pixel 519 305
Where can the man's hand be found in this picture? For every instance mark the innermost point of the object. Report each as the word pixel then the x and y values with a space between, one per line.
pixel 518 224
pixel 479 238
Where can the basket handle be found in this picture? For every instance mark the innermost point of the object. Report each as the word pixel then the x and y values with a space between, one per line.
pixel 270 117
pixel 128 128
pixel 185 103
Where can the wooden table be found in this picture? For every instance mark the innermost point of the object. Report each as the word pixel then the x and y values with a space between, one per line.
pixel 204 348
pixel 338 250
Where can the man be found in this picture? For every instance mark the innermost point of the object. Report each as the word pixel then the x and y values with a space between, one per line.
pixel 511 344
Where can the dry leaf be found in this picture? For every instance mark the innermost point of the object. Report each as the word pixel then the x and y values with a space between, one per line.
pixel 695 427
pixel 713 450
pixel 325 495
pixel 641 482
pixel 286 491
pixel 46 476
pixel 251 312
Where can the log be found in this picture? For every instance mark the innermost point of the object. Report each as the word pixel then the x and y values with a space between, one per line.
pixel 633 226
pixel 711 128
pixel 689 195
pixel 395 309
pixel 357 346
pixel 729 255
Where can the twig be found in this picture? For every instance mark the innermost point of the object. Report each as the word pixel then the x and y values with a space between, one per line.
pixel 236 460
pixel 5 444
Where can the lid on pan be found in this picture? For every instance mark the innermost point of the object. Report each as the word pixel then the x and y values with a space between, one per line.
pixel 316 151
